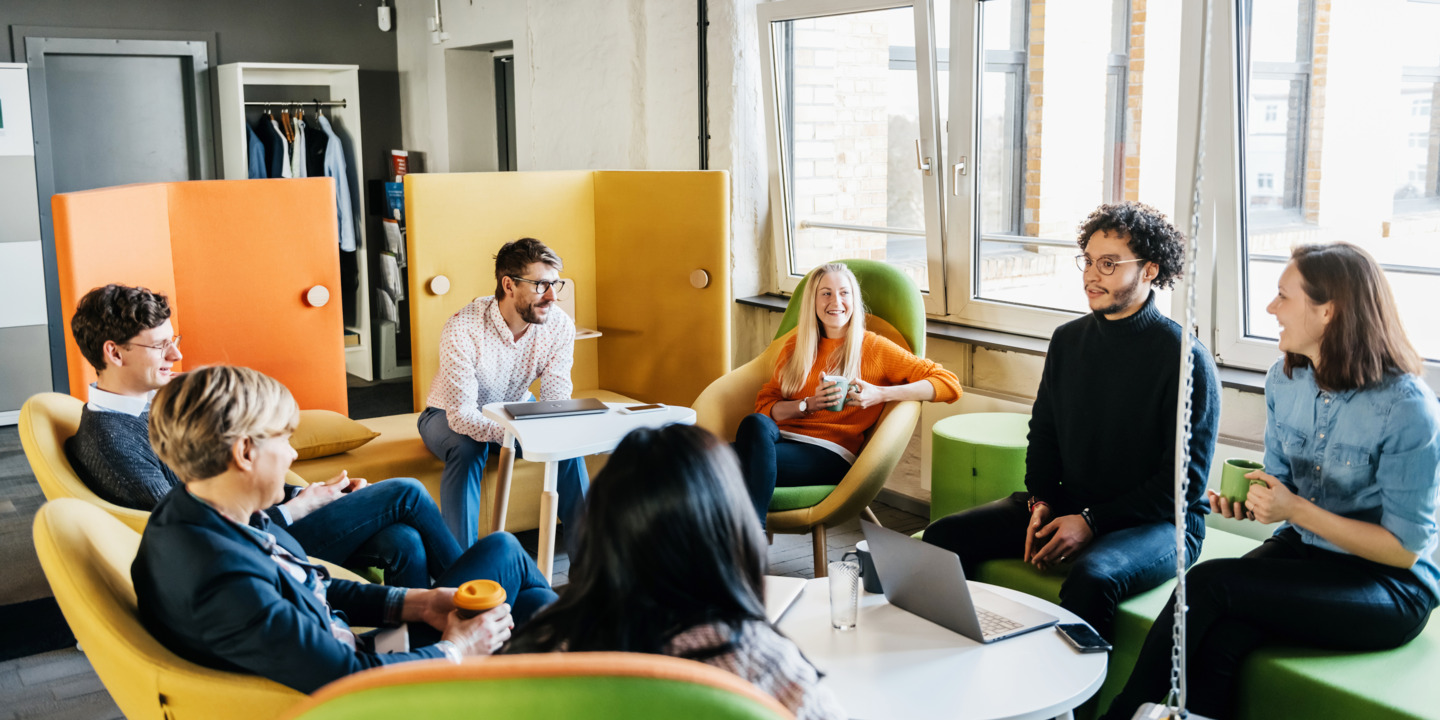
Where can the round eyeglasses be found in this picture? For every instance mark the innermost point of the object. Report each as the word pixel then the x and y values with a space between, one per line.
pixel 172 343
pixel 1105 265
pixel 541 286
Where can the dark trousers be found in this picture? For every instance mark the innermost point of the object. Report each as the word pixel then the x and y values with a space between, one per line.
pixel 392 525
pixel 1283 591
pixel 1112 567
pixel 768 460
pixel 465 459
pixel 499 557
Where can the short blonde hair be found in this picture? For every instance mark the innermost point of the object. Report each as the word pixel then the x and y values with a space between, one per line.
pixel 198 416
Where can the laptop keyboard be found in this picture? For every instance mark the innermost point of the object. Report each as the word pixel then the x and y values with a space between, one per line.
pixel 992 624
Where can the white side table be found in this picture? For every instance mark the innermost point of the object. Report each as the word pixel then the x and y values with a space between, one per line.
pixel 551 440
pixel 897 665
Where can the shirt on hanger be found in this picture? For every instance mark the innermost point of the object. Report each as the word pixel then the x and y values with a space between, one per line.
pixel 297 157
pixel 335 167
pixel 256 154
pixel 284 149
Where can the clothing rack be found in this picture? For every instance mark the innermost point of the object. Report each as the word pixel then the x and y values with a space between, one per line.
pixel 296 103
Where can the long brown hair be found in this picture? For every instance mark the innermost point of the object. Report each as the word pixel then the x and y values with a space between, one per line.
pixel 1364 339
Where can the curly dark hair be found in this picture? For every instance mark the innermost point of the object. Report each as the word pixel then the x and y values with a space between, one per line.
pixel 115 313
pixel 1151 236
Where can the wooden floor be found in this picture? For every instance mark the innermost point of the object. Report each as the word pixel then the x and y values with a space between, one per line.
pixel 61 685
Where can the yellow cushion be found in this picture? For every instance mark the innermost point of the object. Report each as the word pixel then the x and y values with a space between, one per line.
pixel 325 432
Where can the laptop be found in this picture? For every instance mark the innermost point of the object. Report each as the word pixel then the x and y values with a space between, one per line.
pixel 780 594
pixel 555 408
pixel 928 581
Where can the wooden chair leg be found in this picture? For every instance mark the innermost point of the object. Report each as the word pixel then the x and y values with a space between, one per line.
pixel 869 514
pixel 769 538
pixel 822 562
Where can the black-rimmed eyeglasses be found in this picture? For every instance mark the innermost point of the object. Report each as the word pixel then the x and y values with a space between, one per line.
pixel 1106 266
pixel 541 286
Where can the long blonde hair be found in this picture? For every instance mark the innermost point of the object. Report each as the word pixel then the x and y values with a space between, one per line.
pixel 845 360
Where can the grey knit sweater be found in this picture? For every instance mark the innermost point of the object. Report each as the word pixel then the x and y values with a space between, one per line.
pixel 112 455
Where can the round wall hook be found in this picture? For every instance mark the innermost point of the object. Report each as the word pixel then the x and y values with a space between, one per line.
pixel 317 296
pixel 439 285
pixel 699 279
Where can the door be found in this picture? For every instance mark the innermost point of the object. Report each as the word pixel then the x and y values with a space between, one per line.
pixel 112 111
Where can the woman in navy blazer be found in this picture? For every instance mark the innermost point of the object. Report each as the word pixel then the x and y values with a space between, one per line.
pixel 220 585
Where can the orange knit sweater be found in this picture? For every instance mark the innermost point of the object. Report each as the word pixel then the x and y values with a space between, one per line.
pixel 882 362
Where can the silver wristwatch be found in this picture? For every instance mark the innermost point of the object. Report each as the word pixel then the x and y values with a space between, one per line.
pixel 803 409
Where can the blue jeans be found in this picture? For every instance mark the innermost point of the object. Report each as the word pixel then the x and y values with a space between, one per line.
pixel 768 460
pixel 393 525
pixel 465 459
pixel 499 557
pixel 1112 567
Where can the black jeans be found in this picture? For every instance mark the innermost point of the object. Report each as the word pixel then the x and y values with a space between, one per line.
pixel 1112 567
pixel 1286 591
pixel 767 459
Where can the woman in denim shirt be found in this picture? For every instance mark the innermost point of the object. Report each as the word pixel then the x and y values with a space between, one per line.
pixel 1352 464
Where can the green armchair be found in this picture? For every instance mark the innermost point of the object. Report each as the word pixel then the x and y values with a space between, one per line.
pixel 894 310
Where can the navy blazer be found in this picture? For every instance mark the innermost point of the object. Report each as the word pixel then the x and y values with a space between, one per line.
pixel 210 592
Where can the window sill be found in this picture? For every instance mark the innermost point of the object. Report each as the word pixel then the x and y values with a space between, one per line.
pixel 1234 378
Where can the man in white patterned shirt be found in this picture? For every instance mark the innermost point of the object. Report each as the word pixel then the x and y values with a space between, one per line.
pixel 491 351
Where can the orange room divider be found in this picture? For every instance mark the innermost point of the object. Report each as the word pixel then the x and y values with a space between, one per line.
pixel 648 253
pixel 235 257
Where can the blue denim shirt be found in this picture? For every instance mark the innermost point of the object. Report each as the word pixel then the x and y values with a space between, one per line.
pixel 1371 454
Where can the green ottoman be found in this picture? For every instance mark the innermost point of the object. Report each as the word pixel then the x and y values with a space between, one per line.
pixel 976 458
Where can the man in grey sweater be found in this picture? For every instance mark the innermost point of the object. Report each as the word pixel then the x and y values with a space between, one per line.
pixel 126 334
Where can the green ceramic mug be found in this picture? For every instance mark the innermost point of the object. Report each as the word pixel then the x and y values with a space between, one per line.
pixel 1234 486
pixel 842 384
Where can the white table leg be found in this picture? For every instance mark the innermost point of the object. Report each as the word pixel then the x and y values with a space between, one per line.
pixel 1067 715
pixel 549 506
pixel 502 482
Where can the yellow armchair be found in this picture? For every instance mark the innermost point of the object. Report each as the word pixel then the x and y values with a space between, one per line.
pixel 86 555
pixel 47 420
pixel 894 311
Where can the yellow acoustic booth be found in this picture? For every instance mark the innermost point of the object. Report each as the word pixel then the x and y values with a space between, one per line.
pixel 648 258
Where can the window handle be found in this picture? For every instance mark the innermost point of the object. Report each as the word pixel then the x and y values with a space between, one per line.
pixel 959 169
pixel 921 163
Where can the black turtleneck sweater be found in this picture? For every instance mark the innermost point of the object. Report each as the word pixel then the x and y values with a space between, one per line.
pixel 1102 432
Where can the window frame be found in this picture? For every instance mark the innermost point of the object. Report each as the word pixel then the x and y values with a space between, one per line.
pixel 1223 232
pixel 780 163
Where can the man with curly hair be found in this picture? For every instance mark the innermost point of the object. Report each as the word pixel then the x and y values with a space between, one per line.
pixel 1100 465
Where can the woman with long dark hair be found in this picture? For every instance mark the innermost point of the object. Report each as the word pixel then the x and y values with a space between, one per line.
pixel 670 561
pixel 1352 464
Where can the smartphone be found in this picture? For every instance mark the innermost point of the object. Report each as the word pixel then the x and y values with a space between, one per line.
pixel 1083 637
pixel 634 409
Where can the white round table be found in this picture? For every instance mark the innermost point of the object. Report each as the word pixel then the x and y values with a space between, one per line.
pixel 898 665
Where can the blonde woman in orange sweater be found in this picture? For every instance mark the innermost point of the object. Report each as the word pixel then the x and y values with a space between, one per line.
pixel 795 437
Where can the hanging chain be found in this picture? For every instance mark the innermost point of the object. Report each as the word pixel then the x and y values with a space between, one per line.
pixel 1175 701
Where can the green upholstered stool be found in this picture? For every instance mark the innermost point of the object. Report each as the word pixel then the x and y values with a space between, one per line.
pixel 1279 681
pixel 976 458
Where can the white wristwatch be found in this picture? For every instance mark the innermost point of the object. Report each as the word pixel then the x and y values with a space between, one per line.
pixel 802 408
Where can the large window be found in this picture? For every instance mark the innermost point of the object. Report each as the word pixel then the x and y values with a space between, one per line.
pixel 855 137
pixel 1340 142
pixel 966 140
